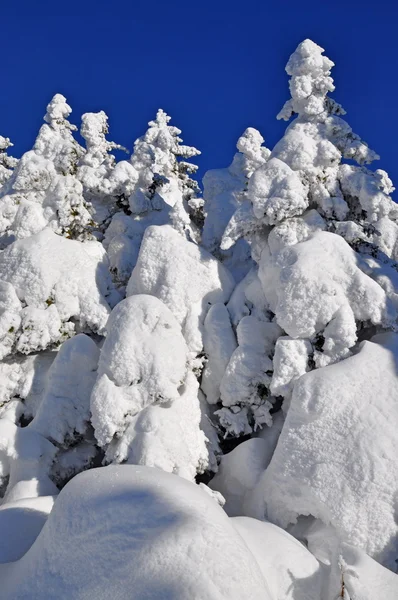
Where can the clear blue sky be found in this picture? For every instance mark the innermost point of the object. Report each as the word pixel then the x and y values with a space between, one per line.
pixel 215 67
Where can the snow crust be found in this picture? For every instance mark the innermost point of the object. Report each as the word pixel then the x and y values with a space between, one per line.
pixel 330 461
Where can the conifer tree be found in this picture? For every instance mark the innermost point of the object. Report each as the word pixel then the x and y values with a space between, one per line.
pixel 306 207
pixel 163 193
pixel 43 190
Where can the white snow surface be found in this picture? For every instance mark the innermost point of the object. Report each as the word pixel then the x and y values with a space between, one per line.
pixel 185 277
pixel 57 280
pixel 145 406
pixel 291 571
pixel 276 192
pixel 64 412
pixel 219 343
pixel 123 530
pixel 336 458
pixel 318 283
pixel 20 524
pixel 143 361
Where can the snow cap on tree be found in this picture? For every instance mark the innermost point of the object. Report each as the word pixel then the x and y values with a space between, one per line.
pixel 93 130
pixel 57 113
pixel 310 83
pixel 7 163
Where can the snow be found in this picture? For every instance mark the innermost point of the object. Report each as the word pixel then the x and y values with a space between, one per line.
pixel 219 343
pixel 289 363
pixel 143 360
pixel 123 528
pixel 58 281
pixel 20 524
pixel 64 412
pixel 26 457
pixel 276 192
pixel 317 285
pixel 224 190
pixel 292 573
pixel 145 407
pixel 165 264
pixel 246 376
pixel 256 351
pixel 330 462
pixel 364 578
pixel 240 470
pixel 167 437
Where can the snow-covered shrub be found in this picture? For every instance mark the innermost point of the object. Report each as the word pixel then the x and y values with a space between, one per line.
pixel 49 287
pixel 145 407
pixel 98 171
pixel 7 163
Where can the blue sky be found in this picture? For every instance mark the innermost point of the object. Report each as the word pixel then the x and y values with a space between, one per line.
pixel 215 67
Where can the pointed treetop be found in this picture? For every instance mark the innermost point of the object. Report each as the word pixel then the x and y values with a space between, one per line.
pixel 93 130
pixel 58 112
pixel 161 119
pixel 309 84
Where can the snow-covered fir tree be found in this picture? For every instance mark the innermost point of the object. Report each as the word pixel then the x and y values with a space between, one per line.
pixel 142 325
pixel 7 163
pixel 44 189
pixel 161 192
pixel 310 296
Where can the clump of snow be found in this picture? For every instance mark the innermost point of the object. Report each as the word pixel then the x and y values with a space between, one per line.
pixel 291 571
pixel 183 276
pixel 57 282
pixel 26 457
pixel 239 471
pixel 316 286
pixel 145 406
pixel 332 461
pixel 219 343
pixel 144 360
pixel 289 363
pixel 64 412
pixel 244 386
pixel 168 437
pixel 20 524
pixel 276 192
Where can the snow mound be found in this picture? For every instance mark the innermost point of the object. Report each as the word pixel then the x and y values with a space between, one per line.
pixel 331 460
pixel 276 192
pixel 291 571
pixel 56 280
pixel 317 284
pixel 123 530
pixel 364 578
pixel 26 457
pixel 240 470
pixel 20 524
pixel 182 275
